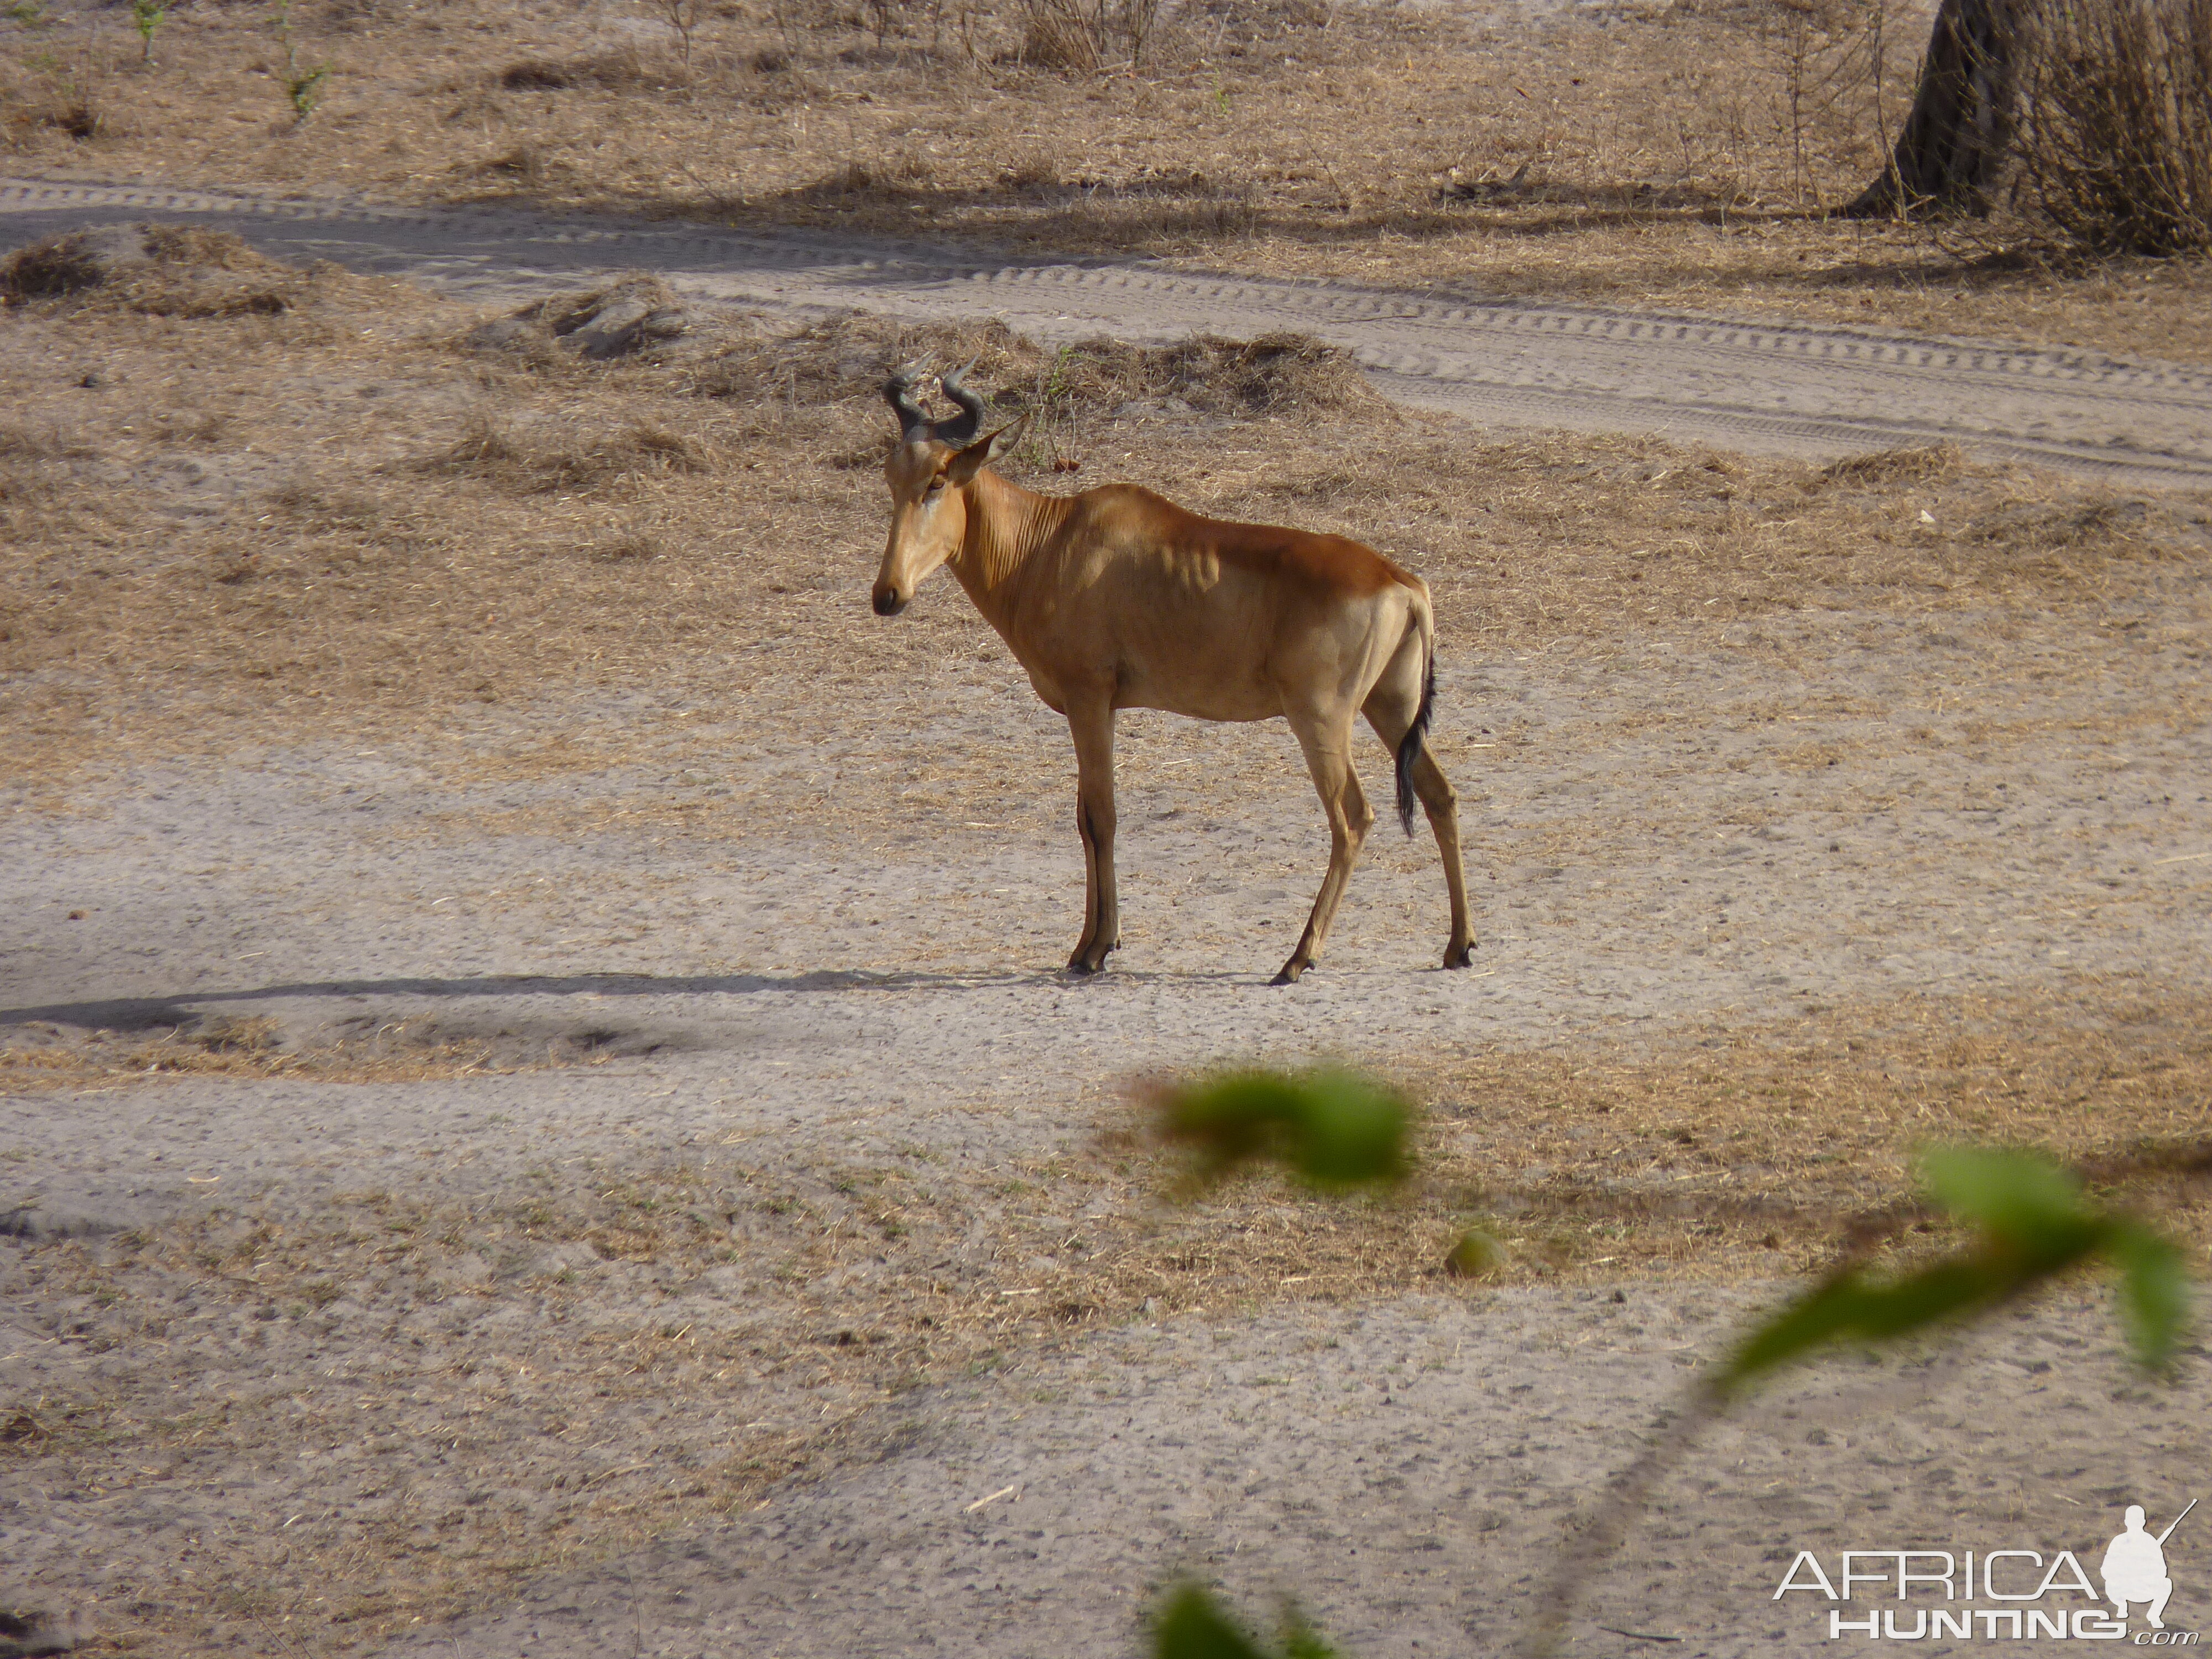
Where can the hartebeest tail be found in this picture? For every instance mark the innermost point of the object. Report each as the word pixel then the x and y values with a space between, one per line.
pixel 1409 746
pixel 1115 599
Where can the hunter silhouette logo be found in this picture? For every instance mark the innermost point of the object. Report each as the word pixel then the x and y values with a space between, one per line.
pixel 2033 1597
pixel 2134 1569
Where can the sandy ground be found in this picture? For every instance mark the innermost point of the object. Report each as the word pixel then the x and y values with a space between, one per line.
pixel 1401 1474
pixel 1761 387
pixel 882 1006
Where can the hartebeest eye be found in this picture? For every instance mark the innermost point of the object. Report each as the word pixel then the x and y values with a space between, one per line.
pixel 936 483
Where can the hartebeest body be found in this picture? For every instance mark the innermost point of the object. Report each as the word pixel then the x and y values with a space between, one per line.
pixel 1116 598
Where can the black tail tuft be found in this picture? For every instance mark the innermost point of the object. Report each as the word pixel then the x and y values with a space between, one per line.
pixel 1409 746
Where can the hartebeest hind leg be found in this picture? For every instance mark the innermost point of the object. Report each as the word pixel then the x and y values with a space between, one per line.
pixel 1327 745
pixel 1389 713
pixel 1092 721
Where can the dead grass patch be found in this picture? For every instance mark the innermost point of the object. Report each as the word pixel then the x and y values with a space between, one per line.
pixel 569 456
pixel 1918 464
pixel 164 269
pixel 41 1057
pixel 57 97
pixel 1737 1141
pixel 612 71
pixel 1281 373
pixel 635 315
pixel 1730 1152
pixel 173 271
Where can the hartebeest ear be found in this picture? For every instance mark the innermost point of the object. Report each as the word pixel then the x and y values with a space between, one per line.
pixel 980 454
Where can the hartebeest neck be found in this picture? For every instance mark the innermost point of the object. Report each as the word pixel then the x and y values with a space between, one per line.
pixel 1006 525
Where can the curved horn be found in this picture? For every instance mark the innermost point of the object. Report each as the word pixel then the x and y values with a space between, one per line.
pixel 898 393
pixel 961 430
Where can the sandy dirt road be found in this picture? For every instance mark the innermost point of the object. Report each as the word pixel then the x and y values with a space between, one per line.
pixel 1804 390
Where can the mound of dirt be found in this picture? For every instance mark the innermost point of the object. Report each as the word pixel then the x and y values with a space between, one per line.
pixel 171 270
pixel 1283 373
pixel 1280 373
pixel 635 315
pixel 1914 463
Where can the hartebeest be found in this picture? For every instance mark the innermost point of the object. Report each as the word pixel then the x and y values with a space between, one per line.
pixel 1116 598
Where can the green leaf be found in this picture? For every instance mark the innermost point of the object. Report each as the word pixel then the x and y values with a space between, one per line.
pixel 1191 1626
pixel 1849 1308
pixel 1301 1640
pixel 1354 1132
pixel 1333 1128
pixel 2033 1224
pixel 2153 1292
pixel 2028 1201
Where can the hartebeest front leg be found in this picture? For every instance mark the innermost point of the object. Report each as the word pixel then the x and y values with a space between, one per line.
pixel 1328 745
pixel 1092 721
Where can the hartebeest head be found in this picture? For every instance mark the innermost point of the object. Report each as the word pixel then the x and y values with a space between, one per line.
pixel 929 469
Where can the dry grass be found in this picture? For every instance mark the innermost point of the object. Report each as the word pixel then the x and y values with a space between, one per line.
pixel 38 1058
pixel 834 361
pixel 1674 154
pixel 1729 1153
pixel 172 270
pixel 247 522
pixel 1732 1143
pixel 2117 113
pixel 1726 1152
pixel 572 456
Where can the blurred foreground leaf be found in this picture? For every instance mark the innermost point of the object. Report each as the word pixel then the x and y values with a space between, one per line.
pixel 1192 1625
pixel 1302 1641
pixel 2032 1224
pixel 1334 1129
pixel 2017 1200
pixel 2153 1292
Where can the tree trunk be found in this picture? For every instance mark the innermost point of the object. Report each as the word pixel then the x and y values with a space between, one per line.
pixel 1952 150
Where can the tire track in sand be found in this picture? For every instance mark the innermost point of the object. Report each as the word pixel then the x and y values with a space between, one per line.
pixel 1807 390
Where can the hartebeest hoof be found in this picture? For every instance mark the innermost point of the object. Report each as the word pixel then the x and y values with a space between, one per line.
pixel 1289 972
pixel 1460 956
